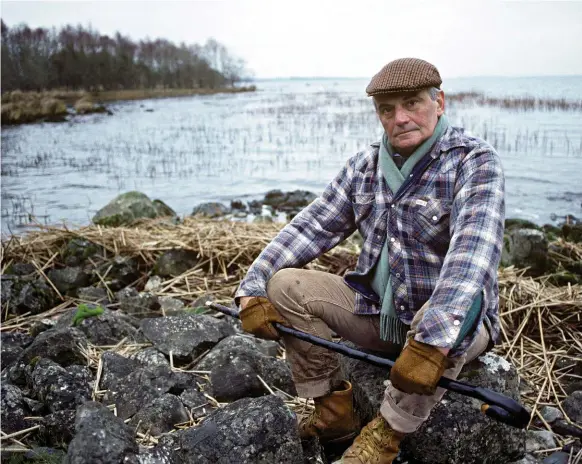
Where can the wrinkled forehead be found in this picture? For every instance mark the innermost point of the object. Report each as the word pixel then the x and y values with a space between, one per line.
pixel 397 97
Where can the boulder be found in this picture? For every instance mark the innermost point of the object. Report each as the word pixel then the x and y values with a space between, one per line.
pixel 118 272
pixel 58 428
pixel 526 248
pixel 153 383
pixel 235 364
pixel 162 209
pixel 78 251
pixel 114 368
pixel 58 387
pixel 13 409
pixel 107 328
pixel 250 430
pixel 101 437
pixel 150 357
pixel 572 232
pixel 196 402
pixel 573 406
pixel 537 440
pixel 187 336
pixel 124 209
pixel 26 294
pixel 456 431
pixel 160 416
pixel 94 295
pixel 551 414
pixel 139 305
pixel 210 210
pixel 12 344
pixel 69 279
pixel 288 201
pixel 175 262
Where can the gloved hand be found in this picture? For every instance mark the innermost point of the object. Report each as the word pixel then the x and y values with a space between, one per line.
pixel 418 368
pixel 257 317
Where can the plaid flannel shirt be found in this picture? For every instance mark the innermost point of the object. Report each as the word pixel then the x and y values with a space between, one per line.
pixel 445 227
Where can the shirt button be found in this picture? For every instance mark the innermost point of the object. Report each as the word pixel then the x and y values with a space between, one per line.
pixel 434 218
pixel 456 322
pixel 392 239
pixel 402 308
pixel 392 206
pixel 398 274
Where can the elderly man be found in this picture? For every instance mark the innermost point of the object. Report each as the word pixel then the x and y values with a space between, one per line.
pixel 428 200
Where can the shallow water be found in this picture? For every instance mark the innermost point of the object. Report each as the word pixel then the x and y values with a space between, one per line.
pixel 292 134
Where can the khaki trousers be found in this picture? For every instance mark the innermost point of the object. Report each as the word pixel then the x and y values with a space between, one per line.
pixel 319 303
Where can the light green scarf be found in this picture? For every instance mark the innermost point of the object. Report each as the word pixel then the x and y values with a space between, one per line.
pixel 391 327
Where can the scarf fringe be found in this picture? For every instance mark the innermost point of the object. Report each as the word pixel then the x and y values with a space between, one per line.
pixel 393 329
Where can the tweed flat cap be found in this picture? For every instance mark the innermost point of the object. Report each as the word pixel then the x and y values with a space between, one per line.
pixel 404 75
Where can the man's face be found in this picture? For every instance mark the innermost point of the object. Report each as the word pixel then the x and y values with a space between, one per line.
pixel 409 118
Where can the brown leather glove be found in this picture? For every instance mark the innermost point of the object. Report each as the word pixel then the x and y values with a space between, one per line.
pixel 418 368
pixel 258 316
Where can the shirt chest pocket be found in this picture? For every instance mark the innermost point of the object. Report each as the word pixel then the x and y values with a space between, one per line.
pixel 430 220
pixel 363 205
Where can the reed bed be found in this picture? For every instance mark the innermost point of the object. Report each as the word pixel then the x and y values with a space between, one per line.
pixel 541 323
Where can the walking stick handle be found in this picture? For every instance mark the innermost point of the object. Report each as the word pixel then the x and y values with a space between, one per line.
pixel 497 406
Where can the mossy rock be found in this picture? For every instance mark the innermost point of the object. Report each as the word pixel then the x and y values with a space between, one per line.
pixel 162 209
pixel 125 209
pixel 511 224
pixel 572 232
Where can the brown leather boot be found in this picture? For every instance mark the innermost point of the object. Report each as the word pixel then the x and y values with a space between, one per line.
pixel 334 419
pixel 377 443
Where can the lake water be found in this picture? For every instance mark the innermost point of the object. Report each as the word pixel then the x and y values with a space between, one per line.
pixel 290 134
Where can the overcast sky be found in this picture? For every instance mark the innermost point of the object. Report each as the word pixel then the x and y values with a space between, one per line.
pixel 280 38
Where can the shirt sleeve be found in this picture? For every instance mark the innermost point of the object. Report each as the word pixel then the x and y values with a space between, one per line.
pixel 470 265
pixel 315 230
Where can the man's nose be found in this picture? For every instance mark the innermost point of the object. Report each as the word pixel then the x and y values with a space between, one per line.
pixel 401 116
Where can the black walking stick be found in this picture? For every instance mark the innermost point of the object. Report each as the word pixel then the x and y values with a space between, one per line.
pixel 497 406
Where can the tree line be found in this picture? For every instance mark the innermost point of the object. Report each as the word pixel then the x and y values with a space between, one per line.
pixel 79 58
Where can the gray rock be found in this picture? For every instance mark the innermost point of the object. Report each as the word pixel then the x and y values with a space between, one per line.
pixel 175 262
pixel 138 305
pixel 58 428
pixel 43 325
pixel 12 344
pixel 78 251
pixel 561 427
pixel 210 209
pixel 114 368
pixel 101 438
pixel 107 328
pixel 289 201
pixel 26 294
pixel 234 365
pixel 527 459
pixel 456 431
pixel 163 209
pixel 64 346
pixel 559 457
pixel 539 440
pixel 13 409
pixel 21 269
pixel 42 454
pixel 153 284
pixel 124 209
pixel 171 306
pixel 58 387
pixel 153 382
pixel 266 432
pixel 526 248
pixel 313 452
pixel 69 279
pixel 187 336
pixel 551 414
pixel 118 272
pixel 9 355
pixel 196 402
pixel 573 406
pixel 150 357
pixel 160 416
pixel 94 295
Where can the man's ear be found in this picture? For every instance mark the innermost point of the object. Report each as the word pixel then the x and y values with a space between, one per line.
pixel 440 100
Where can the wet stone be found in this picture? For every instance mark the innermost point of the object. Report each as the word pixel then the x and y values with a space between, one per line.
pixel 160 416
pixel 573 406
pixel 187 336
pixel 13 409
pixel 69 279
pixel 115 367
pixel 58 387
pixel 101 437
pixel 58 428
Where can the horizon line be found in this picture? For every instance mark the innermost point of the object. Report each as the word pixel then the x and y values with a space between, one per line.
pixel 481 76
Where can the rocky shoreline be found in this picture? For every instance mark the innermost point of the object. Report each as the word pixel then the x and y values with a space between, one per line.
pixel 110 355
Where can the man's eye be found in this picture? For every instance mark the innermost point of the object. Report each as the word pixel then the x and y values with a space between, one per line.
pixel 385 111
pixel 411 103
